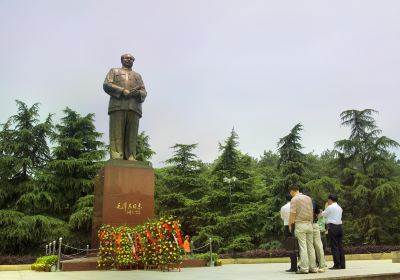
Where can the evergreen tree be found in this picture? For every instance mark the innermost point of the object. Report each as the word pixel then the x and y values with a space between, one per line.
pixel 290 164
pixel 143 149
pixel 233 211
pixel 291 170
pixel 228 161
pixel 179 185
pixel 291 159
pixel 78 156
pixel 24 152
pixel 368 175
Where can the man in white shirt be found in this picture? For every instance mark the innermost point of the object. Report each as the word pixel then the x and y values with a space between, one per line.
pixel 285 213
pixel 333 214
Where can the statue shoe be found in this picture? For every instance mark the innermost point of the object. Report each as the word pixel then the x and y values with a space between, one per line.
pixel 115 155
pixel 131 157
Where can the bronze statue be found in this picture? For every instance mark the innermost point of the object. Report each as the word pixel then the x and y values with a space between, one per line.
pixel 127 93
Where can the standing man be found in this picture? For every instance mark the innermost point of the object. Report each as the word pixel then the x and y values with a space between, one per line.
pixel 289 237
pixel 301 215
pixel 333 214
pixel 127 93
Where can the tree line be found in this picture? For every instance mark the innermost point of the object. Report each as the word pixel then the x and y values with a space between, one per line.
pixel 236 199
pixel 47 176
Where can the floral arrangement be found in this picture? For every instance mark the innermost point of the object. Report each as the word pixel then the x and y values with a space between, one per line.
pixel 157 243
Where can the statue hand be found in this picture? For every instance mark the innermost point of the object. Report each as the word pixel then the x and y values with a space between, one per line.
pixel 126 92
pixel 133 92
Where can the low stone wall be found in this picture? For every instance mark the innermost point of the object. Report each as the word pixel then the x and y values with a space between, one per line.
pixel 396 257
pixel 15 267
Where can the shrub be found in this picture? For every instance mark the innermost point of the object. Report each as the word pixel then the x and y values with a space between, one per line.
pixel 45 263
pixel 203 256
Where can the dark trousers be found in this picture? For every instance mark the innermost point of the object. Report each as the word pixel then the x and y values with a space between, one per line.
pixel 293 255
pixel 336 236
pixel 123 134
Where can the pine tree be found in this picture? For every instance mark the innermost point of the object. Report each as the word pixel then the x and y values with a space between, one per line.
pixel 291 170
pixel 181 185
pixel 78 156
pixel 143 149
pixel 368 176
pixel 24 153
pixel 232 210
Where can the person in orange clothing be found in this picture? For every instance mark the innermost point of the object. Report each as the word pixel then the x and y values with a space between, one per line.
pixel 186 245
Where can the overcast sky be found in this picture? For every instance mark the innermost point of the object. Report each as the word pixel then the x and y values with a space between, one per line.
pixel 258 66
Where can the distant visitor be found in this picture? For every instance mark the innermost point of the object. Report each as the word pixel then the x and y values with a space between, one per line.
pixel 127 93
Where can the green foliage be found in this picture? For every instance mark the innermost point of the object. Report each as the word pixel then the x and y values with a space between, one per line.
pixel 70 175
pixel 45 263
pixel 290 169
pixel 23 152
pixel 369 180
pixel 291 161
pixel 320 189
pixel 81 219
pixel 179 185
pixel 228 161
pixel 25 145
pixel 289 148
pixel 203 256
pixel 24 233
pixel 239 244
pixel 184 160
pixel 240 197
pixel 45 194
pixel 143 149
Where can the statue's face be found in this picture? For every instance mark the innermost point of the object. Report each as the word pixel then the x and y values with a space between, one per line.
pixel 127 61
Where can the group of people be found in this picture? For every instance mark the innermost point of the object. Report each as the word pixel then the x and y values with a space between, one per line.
pixel 306 224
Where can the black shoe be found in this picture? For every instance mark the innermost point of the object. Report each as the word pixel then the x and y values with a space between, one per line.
pixel 291 270
pixel 335 267
pixel 342 267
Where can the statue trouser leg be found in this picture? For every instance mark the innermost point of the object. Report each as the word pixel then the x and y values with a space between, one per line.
pixel 131 135
pixel 117 129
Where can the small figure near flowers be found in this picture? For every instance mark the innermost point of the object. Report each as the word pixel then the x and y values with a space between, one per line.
pixel 186 245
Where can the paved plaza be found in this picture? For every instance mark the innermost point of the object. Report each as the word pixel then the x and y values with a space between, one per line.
pixel 225 272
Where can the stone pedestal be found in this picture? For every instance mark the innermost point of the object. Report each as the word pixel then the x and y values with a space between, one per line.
pixel 124 195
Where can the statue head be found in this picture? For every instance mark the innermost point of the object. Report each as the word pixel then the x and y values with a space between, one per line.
pixel 127 60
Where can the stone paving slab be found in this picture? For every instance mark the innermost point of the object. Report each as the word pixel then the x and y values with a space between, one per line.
pixel 227 272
